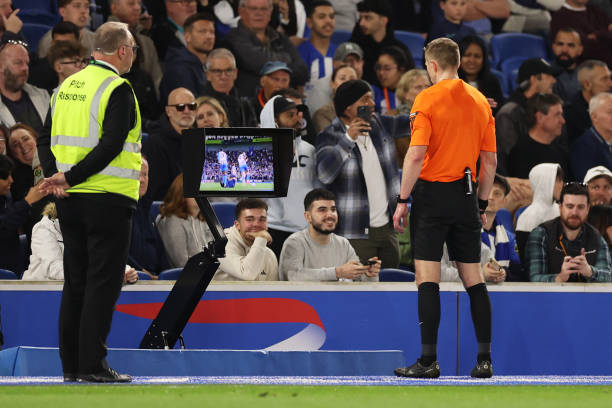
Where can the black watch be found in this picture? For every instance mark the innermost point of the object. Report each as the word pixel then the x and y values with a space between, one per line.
pixel 402 200
pixel 482 205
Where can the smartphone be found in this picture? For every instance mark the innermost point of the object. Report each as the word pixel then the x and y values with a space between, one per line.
pixel 372 262
pixel 365 113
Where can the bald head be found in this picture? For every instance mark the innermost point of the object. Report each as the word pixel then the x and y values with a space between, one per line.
pixel 14 69
pixel 181 109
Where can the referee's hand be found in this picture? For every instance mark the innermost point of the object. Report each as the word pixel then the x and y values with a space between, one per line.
pixel 400 218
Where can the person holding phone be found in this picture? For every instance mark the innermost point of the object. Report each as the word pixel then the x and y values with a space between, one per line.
pixel 356 160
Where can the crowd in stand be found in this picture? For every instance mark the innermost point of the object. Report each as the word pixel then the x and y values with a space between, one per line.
pixel 273 63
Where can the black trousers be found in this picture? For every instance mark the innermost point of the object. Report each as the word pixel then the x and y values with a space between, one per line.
pixel 96 244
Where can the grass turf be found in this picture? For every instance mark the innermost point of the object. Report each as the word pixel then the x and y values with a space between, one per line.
pixel 270 396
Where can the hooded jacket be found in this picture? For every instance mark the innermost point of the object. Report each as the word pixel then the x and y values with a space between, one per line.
pixel 181 70
pixel 247 263
pixel 287 213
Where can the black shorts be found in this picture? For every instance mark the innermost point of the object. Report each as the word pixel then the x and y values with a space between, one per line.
pixel 441 212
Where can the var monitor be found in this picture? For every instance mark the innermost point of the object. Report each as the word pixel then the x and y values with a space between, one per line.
pixel 229 162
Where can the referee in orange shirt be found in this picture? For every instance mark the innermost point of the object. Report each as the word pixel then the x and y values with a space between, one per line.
pixel 452 127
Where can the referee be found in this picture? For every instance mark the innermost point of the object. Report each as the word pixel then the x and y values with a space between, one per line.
pixel 452 127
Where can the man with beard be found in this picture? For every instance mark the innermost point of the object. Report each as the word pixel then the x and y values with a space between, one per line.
pixel 567 249
pixel 316 253
pixel 567 48
pixel 20 102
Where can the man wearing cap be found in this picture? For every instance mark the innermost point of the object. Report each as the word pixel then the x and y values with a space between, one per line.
pixel 350 54
pixel 274 75
pixel 356 160
pixel 599 181
pixel 594 77
pixel 284 215
pixel 254 43
pixel 374 32
pixel 594 148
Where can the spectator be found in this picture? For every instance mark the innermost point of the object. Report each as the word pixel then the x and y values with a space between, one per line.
pixel 274 76
pixel 13 213
pixel 475 70
pixel 10 23
pixel 600 217
pixel 163 148
pixel 304 128
pixel 181 225
pixel 146 247
pixel 210 113
pixel 391 65
pixel 599 181
pixel 362 172
pixel 534 76
pixel 545 120
pixel 531 16
pixel 346 14
pixel 323 117
pixel 289 18
pixel 486 17
pixel 284 216
pixel 221 73
pixel 318 53
pixel 593 25
pixel 66 58
pixel 373 33
pixel 184 67
pixel 350 54
pixel 3 139
pixel 567 50
pixel 246 255
pixel 499 239
pixel 546 181
pixel 594 77
pixel 167 31
pixel 451 26
pixel 254 43
pixel 20 101
pixel 584 255
pixel 593 147
pixel 450 273
pixel 317 254
pixel 76 12
pixel 129 12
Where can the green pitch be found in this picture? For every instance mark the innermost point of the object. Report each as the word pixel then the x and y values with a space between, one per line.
pixel 264 396
pixel 215 186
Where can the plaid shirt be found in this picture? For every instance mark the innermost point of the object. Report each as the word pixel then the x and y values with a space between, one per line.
pixel 340 169
pixel 537 259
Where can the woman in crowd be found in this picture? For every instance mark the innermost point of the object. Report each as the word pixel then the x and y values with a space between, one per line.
pixel 210 113
pixel 182 226
pixel 391 65
pixel 600 216
pixel 474 70
pixel 323 117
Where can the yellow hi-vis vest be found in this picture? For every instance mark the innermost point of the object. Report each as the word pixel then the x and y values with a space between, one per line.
pixel 77 109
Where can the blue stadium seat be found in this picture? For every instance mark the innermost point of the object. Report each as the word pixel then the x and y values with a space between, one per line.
pixel 225 213
pixel 509 45
pixel 340 36
pixel 33 33
pixel 154 210
pixel 395 275
pixel 170 274
pixel 6 274
pixel 38 16
pixel 143 276
pixel 415 43
pixel 518 213
pixel 49 6
pixel 503 82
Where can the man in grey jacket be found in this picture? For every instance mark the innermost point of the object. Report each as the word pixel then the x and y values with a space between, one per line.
pixel 316 253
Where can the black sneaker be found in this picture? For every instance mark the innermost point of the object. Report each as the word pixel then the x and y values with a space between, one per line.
pixel 484 369
pixel 107 376
pixel 419 371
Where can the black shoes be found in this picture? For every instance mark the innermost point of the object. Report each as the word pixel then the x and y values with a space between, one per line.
pixel 69 377
pixel 484 369
pixel 419 371
pixel 107 376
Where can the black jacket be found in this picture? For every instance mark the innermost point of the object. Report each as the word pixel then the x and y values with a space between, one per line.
pixel 182 69
pixel 238 113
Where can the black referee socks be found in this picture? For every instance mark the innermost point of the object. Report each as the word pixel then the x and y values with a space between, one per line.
pixel 429 320
pixel 480 306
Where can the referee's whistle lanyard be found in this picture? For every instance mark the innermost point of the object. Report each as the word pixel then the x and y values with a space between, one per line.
pixel 565 253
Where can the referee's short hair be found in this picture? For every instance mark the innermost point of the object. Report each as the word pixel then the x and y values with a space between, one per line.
pixel 317 194
pixel 444 51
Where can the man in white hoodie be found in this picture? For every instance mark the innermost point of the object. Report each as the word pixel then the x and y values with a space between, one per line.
pixel 546 182
pixel 284 214
pixel 247 256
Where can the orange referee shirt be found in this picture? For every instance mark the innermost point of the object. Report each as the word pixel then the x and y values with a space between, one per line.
pixel 454 120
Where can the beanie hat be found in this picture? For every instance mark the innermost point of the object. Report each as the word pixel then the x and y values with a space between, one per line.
pixel 348 93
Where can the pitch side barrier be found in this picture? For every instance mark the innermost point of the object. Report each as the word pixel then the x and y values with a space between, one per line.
pixel 538 328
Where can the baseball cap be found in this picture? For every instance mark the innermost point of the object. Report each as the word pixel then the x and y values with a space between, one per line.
pixel 595 172
pixel 346 49
pixel 533 66
pixel 282 104
pixel 273 66
pixel 381 7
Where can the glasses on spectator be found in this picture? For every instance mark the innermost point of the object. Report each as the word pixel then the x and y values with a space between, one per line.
pixel 385 68
pixel 181 106
pixel 219 72
pixel 257 9
pixel 13 42
pixel 133 47
pixel 575 183
pixel 76 62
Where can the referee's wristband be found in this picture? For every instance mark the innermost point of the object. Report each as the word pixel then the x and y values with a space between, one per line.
pixel 482 205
